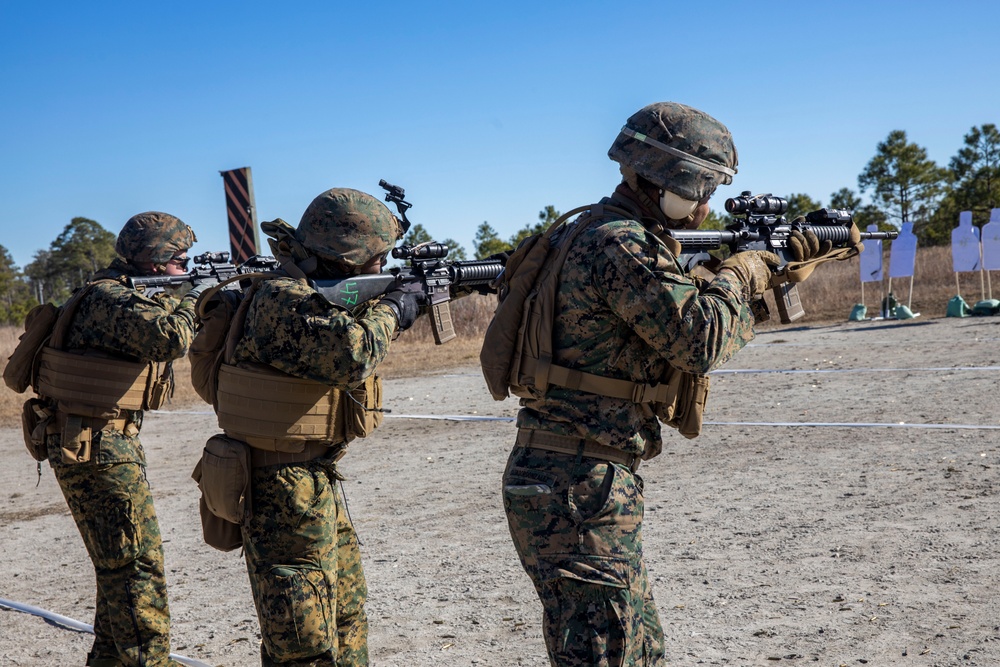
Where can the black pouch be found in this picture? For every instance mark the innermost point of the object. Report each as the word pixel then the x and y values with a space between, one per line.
pixel 35 419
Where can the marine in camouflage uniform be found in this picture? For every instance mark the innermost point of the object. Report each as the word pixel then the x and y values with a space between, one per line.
pixel 109 495
pixel 300 547
pixel 626 310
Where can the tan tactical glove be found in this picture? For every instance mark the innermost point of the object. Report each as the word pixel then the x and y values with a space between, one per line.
pixel 753 268
pixel 807 252
pixel 805 245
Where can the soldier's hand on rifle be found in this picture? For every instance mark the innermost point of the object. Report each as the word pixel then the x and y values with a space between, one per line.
pixel 805 245
pixel 200 285
pixel 754 268
pixel 406 306
pixel 805 251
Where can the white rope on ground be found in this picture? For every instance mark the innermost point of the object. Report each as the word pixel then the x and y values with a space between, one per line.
pixel 987 427
pixel 453 418
pixel 966 427
pixel 78 626
pixel 747 371
pixel 479 418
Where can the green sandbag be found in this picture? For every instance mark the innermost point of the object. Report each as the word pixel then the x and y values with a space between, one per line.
pixel 986 307
pixel 858 313
pixel 957 307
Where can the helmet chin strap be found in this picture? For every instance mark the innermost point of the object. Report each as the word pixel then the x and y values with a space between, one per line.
pixel 654 220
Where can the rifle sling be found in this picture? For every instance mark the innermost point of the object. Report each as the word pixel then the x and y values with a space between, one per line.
pixel 796 272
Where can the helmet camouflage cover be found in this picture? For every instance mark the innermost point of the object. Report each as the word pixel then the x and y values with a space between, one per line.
pixel 153 237
pixel 677 148
pixel 348 226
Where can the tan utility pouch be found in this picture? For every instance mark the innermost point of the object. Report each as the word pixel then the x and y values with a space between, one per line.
pixel 361 409
pixel 219 533
pixel 223 475
pixel 687 407
pixel 76 439
pixel 160 387
pixel 35 420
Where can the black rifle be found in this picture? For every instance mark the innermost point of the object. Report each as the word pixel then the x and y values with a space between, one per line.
pixel 763 227
pixel 214 266
pixel 429 275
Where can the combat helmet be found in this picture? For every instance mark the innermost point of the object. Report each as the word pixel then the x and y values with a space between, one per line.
pixel 677 148
pixel 347 227
pixel 153 237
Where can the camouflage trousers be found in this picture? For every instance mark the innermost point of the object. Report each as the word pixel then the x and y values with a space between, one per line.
pixel 111 503
pixel 305 568
pixel 577 526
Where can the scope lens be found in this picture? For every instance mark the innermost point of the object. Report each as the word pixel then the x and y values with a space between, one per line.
pixel 737 205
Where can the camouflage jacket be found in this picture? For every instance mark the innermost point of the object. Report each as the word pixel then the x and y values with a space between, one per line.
pixel 118 320
pixel 627 310
pixel 294 329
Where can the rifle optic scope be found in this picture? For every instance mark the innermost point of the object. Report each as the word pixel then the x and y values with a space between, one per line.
pixel 757 204
pixel 421 251
pixel 212 258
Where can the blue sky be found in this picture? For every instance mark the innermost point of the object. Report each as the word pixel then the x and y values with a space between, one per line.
pixel 481 111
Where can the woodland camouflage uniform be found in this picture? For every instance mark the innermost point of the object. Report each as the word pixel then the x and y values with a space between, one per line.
pixel 625 309
pixel 300 547
pixel 109 495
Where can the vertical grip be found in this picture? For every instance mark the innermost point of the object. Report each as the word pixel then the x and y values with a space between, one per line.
pixel 444 329
pixel 786 298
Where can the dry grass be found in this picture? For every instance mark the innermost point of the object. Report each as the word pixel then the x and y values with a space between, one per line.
pixel 827 297
pixel 831 293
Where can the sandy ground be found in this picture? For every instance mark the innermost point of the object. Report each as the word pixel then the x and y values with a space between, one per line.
pixel 817 519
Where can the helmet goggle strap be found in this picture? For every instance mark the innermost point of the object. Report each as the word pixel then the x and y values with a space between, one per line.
pixel 705 164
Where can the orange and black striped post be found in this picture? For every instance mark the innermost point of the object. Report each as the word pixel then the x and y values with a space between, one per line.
pixel 242 213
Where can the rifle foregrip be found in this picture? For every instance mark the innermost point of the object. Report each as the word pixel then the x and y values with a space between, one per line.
pixel 444 329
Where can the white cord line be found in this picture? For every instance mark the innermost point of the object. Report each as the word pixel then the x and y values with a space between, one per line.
pixel 942 369
pixel 474 418
pixel 967 427
pixel 479 418
pixel 79 626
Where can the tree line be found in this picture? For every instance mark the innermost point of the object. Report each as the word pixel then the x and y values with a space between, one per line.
pixel 901 182
pixel 81 249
